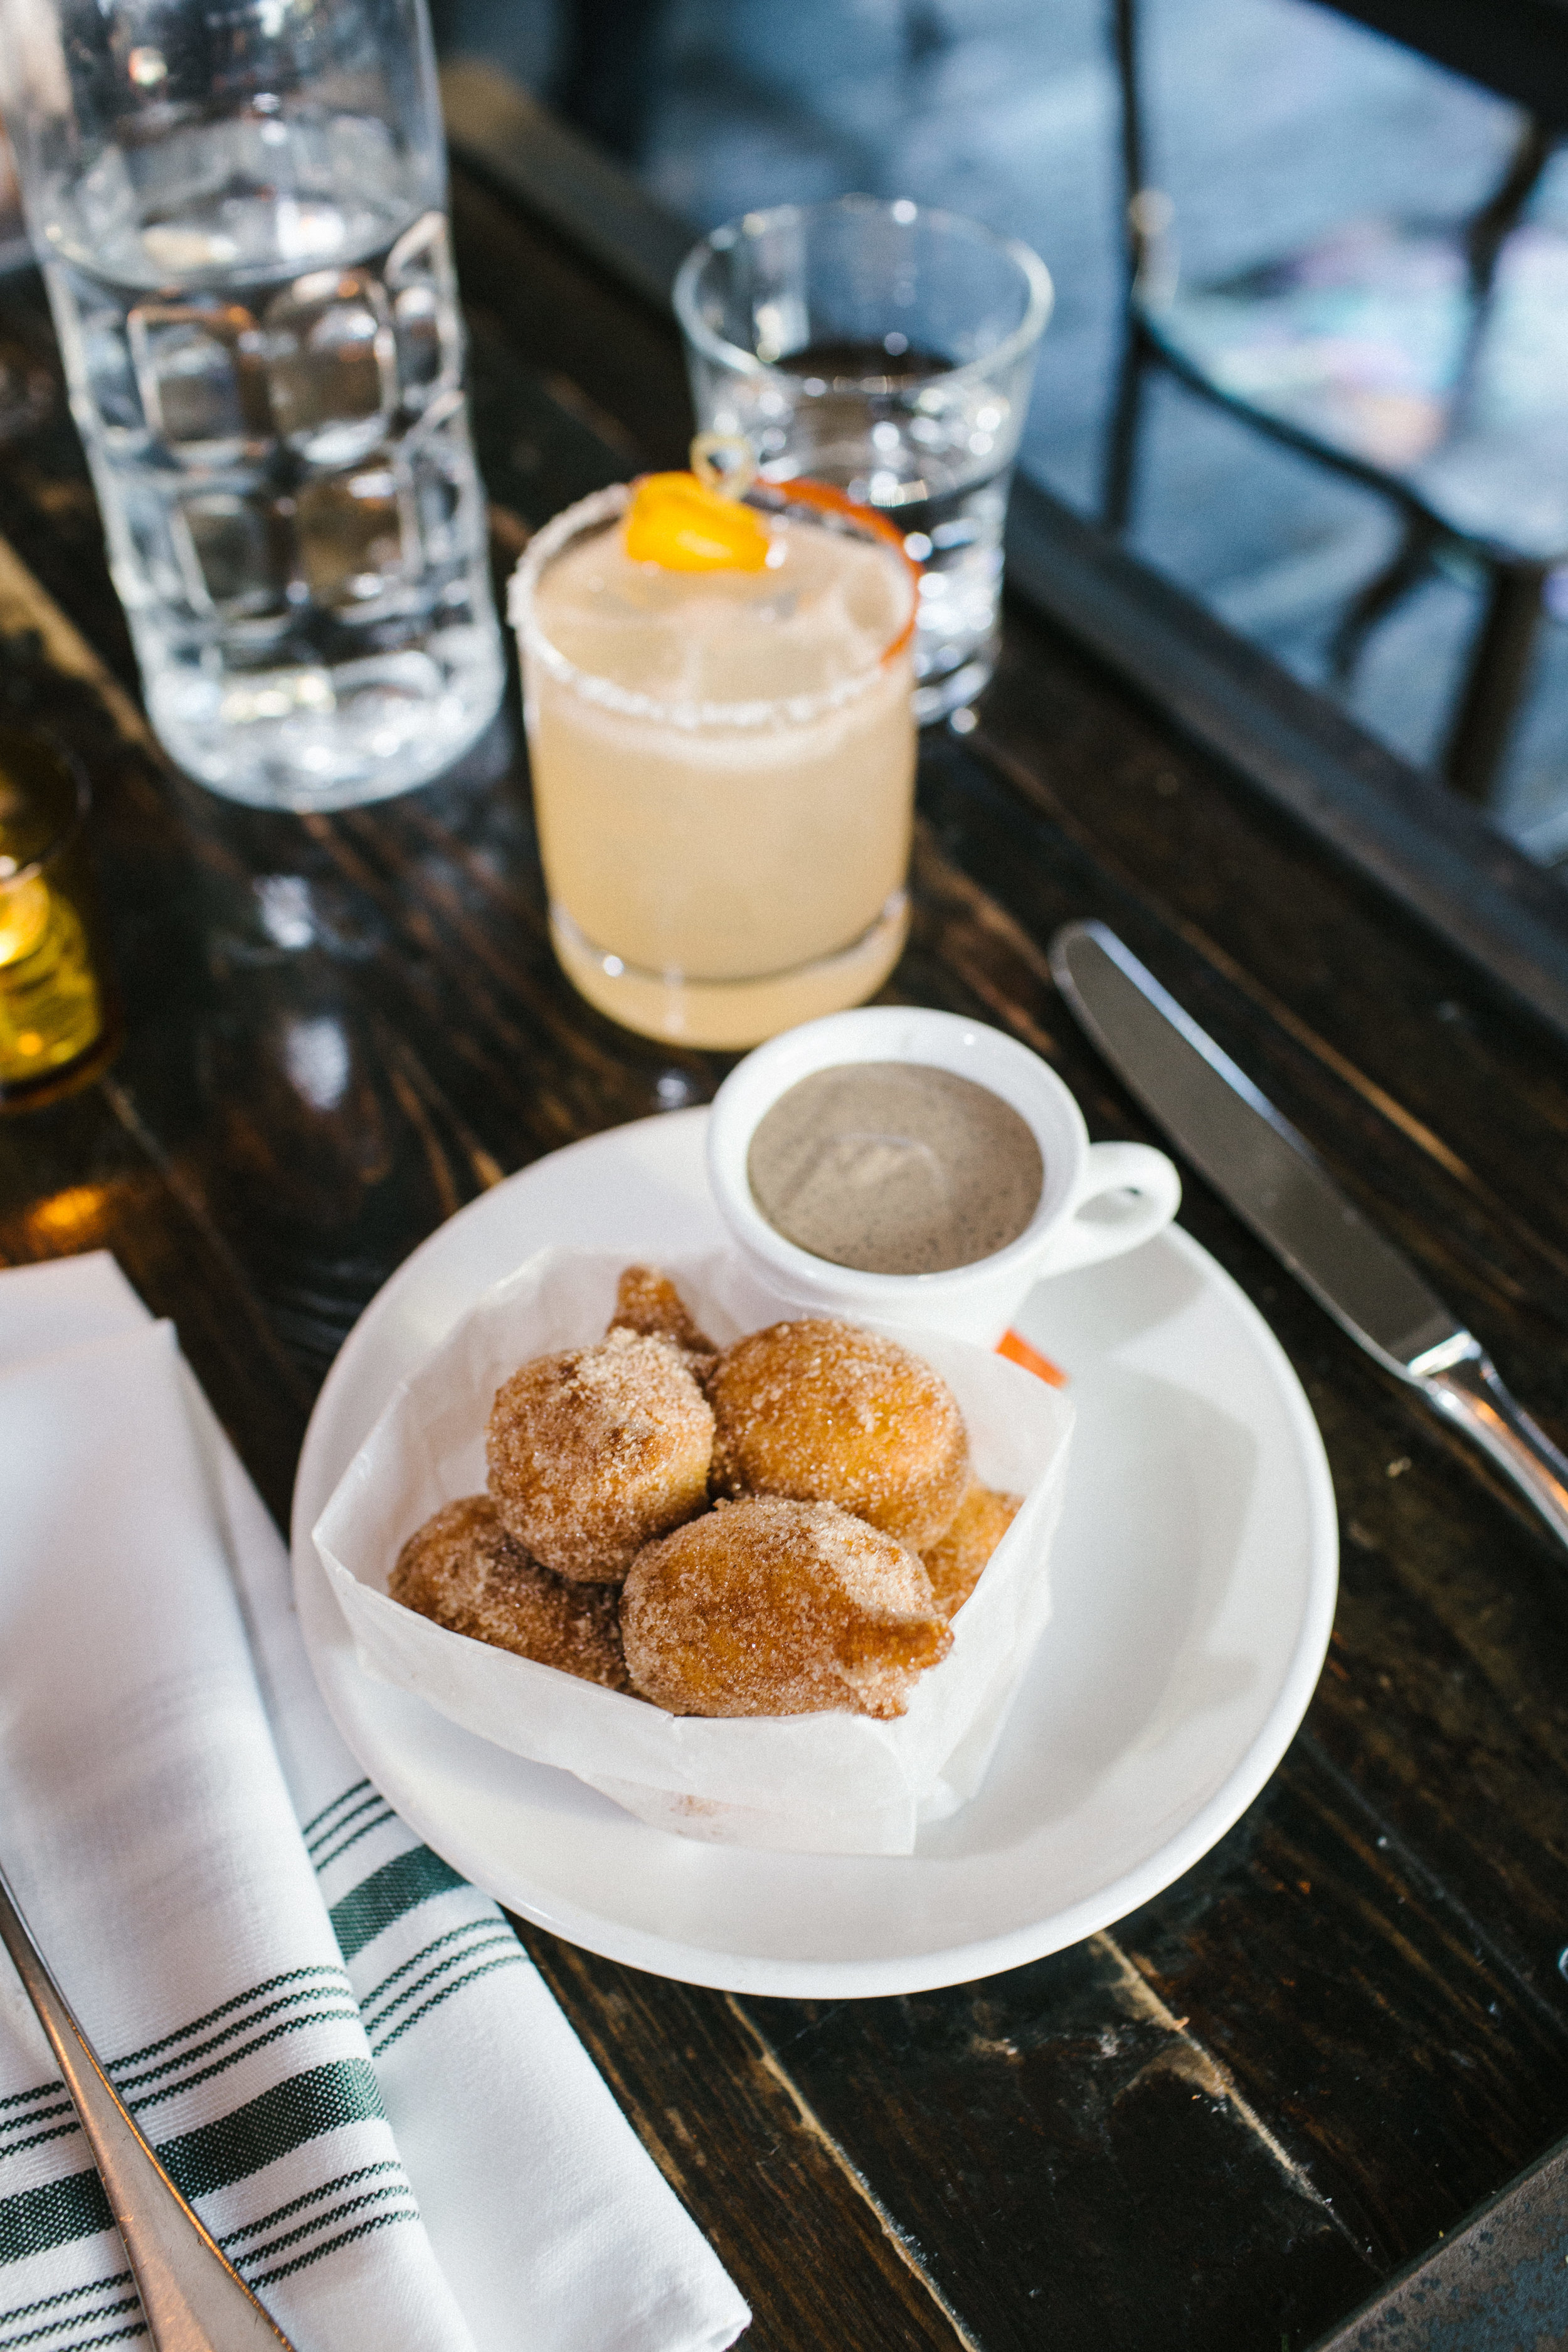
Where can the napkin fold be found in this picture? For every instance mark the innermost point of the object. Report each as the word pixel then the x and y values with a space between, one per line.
pixel 340 2049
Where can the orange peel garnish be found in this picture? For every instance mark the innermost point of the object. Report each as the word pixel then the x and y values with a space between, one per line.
pixel 800 490
pixel 1018 1351
pixel 676 522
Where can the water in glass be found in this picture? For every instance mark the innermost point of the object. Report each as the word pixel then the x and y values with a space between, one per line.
pixel 261 333
pixel 934 450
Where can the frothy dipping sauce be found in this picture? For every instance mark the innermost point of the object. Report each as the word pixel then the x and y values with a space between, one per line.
pixel 895 1168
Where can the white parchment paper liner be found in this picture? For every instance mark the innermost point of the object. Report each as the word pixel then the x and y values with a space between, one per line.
pixel 809 1783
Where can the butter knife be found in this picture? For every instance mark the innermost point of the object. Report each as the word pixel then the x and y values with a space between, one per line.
pixel 193 2298
pixel 1275 1181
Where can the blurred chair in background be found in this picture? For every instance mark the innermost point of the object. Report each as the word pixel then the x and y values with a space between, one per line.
pixel 1429 361
pixel 604 77
pixel 595 62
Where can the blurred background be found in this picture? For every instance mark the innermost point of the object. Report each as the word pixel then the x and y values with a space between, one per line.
pixel 1276 132
pixel 1268 124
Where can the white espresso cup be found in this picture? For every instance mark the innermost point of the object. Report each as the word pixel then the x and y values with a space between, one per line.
pixel 1096 1200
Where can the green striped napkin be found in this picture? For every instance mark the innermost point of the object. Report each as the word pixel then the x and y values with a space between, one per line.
pixel 338 2047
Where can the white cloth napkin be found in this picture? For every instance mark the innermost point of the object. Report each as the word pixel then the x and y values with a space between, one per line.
pixel 339 2048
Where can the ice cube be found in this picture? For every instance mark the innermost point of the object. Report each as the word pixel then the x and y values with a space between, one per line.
pixel 425 312
pixel 331 365
pixel 241 554
pixel 199 368
pixel 149 566
pixel 357 538
pixel 250 698
pixel 441 462
pixel 177 248
pixel 92 334
pixel 388 686
pixel 110 378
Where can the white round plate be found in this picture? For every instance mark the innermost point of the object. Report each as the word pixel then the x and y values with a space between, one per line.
pixel 1193 1575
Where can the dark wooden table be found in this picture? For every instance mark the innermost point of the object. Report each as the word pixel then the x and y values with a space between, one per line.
pixel 1223 2122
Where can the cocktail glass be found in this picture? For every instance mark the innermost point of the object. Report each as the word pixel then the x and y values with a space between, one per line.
pixel 722 863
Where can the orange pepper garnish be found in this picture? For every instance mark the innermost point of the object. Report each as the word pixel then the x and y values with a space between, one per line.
pixel 674 520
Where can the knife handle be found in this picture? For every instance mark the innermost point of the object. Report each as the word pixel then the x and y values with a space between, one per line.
pixel 1470 1395
pixel 193 2298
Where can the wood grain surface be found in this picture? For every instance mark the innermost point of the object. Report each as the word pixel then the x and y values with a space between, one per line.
pixel 1221 2124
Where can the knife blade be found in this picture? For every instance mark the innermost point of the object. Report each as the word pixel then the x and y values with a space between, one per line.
pixel 1271 1177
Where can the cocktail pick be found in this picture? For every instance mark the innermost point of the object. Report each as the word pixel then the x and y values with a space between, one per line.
pixel 725 462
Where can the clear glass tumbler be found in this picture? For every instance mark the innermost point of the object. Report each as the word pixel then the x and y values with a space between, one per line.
pixel 239 209
pixel 723 768
pixel 889 349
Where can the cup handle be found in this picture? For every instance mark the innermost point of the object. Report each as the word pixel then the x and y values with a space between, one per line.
pixel 1137 1191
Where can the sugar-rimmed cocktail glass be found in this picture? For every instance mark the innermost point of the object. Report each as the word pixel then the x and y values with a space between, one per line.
pixel 722 866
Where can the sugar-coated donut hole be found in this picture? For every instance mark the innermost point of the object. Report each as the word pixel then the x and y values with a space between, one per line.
pixel 955 1561
pixel 593 1451
pixel 463 1571
pixel 820 1411
pixel 771 1505
pixel 771 1607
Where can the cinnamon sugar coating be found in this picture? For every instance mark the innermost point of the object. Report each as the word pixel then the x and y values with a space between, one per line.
pixel 647 1301
pixel 954 1563
pixel 595 1451
pixel 823 1412
pixel 770 1607
pixel 462 1569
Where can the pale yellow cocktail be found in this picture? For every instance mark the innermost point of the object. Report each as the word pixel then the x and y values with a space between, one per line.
pixel 723 771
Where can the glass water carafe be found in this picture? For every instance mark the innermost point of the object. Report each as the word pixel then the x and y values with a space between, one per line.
pixel 239 206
